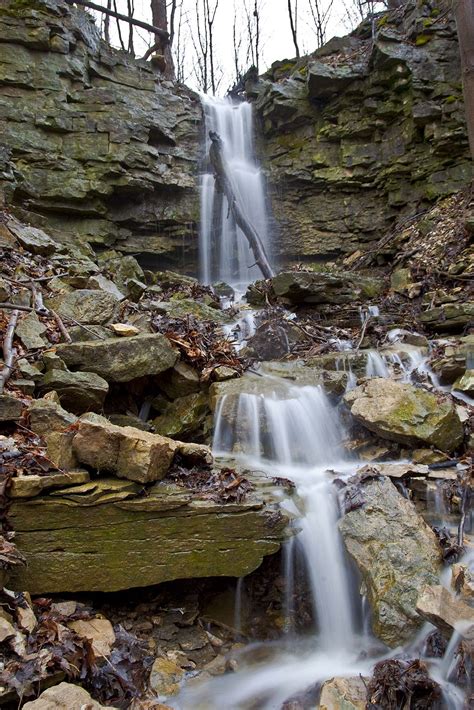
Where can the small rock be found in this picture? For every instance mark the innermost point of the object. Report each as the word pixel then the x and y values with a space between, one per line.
pixel 64 608
pixel 10 408
pixel 99 631
pixel 135 289
pixel 101 283
pixel 222 373
pixel 30 331
pixel 65 696
pixel 59 450
pixel 165 677
pixel 124 329
pixel 4 290
pixel 465 383
pixel 194 454
pixel 180 381
pixel 401 280
pixel 33 240
pixel 47 415
pixel 344 694
pixel 25 386
pixel 437 605
pixel 78 391
pixel 30 486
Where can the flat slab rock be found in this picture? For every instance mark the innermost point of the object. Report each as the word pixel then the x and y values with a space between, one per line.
pixel 396 553
pixel 99 537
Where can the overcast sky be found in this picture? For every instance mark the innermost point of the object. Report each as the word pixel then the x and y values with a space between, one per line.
pixel 276 39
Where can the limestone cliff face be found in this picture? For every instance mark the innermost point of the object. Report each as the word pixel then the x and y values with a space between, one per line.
pixel 369 128
pixel 94 145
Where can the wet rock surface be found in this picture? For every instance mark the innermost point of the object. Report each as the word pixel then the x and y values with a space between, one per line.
pixel 395 552
pixel 403 413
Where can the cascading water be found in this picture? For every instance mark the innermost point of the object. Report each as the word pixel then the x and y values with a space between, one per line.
pixel 295 432
pixel 223 249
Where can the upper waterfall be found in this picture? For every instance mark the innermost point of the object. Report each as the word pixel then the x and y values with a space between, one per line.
pixel 224 253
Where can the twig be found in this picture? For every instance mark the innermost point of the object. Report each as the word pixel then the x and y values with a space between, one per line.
pixel 362 333
pixel 8 351
pixel 150 50
pixel 25 282
pixel 61 326
pixel 462 521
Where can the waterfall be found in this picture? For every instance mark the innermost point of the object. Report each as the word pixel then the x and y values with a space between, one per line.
pixel 224 253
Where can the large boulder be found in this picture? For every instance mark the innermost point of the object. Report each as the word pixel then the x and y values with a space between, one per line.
pixel 407 414
pixel 396 553
pixel 121 359
pixel 313 287
pixel 78 391
pixel 85 306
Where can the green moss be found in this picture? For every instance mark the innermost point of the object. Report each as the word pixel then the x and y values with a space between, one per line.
pixel 383 21
pixel 451 99
pixel 422 40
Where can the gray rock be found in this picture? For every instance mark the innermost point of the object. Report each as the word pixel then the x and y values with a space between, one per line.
pixel 86 306
pixel 11 408
pixel 407 414
pixel 325 80
pixel 33 240
pixel 78 391
pixel 121 359
pixel 319 287
pixel 31 330
pixel 64 696
pixel 47 415
pixel 396 553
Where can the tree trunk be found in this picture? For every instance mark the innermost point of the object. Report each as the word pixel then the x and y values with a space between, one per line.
pixel 224 183
pixel 464 13
pixel 160 19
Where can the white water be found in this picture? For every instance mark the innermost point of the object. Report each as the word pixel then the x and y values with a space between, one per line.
pixel 223 249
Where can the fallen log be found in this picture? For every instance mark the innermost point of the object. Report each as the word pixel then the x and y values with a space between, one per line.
pixel 9 352
pixel 225 185
pixel 125 18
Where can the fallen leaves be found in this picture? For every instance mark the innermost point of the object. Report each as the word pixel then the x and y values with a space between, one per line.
pixel 224 485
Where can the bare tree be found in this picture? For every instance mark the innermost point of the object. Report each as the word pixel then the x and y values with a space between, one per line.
pixel 293 15
pixel 252 9
pixel 107 23
pixel 321 16
pixel 130 10
pixel 464 14
pixel 159 16
pixel 207 72
pixel 358 10
pixel 179 43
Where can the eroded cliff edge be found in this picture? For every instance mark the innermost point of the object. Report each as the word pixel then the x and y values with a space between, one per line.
pixel 367 130
pixel 95 146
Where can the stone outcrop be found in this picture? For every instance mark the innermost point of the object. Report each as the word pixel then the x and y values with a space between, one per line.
pixel 396 553
pixel 362 131
pixel 407 414
pixel 105 536
pixel 96 146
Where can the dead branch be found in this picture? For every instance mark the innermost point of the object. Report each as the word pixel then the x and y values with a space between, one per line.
pixel 131 20
pixel 61 326
pixel 9 352
pixel 224 184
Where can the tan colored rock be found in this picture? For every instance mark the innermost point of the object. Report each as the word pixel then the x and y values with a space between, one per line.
pixel 97 445
pixel 59 450
pixel 144 457
pixel 194 454
pixel 47 415
pixel 165 677
pixel 126 451
pixel 65 696
pixel 124 329
pixel 462 582
pixel 343 694
pixel 396 553
pixel 30 486
pixel 98 631
pixel 437 605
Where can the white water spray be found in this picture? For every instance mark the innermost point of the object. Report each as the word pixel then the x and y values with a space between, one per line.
pixel 223 249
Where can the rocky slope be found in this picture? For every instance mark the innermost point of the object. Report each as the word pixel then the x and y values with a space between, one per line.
pixel 95 145
pixel 367 129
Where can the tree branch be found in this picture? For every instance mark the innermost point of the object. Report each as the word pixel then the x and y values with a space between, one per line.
pixel 8 350
pixel 131 20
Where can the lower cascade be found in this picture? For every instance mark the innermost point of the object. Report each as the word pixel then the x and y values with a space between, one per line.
pixel 295 432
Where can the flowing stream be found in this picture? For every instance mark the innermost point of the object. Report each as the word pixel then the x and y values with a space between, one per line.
pixel 293 432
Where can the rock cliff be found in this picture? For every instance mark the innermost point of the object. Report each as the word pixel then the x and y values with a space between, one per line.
pixel 95 145
pixel 367 129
